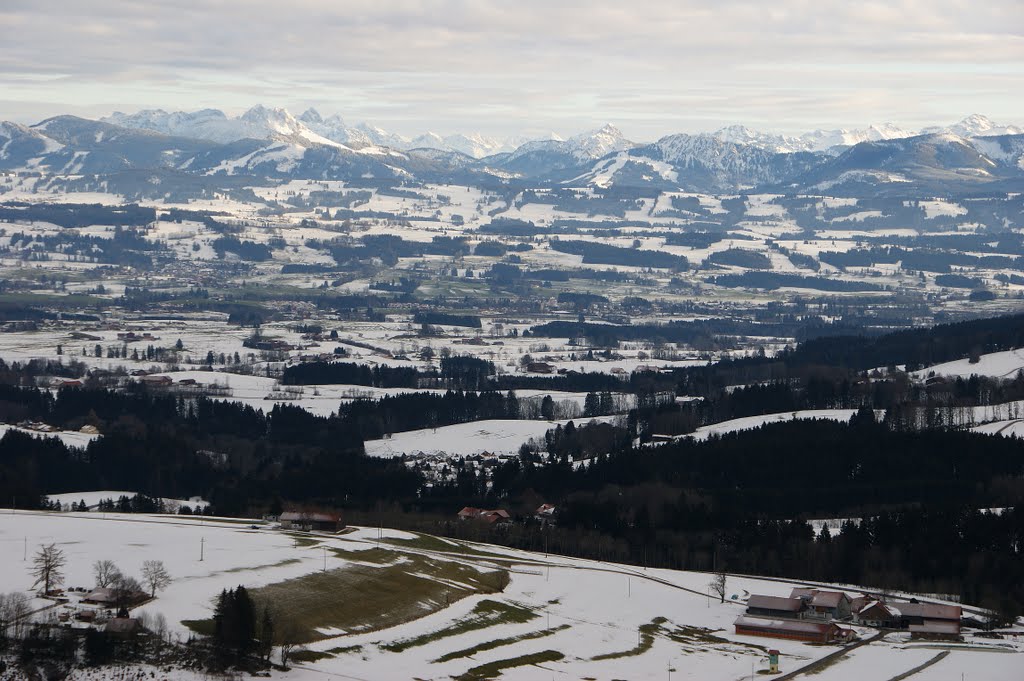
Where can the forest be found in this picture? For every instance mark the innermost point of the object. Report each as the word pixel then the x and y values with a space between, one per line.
pixel 905 471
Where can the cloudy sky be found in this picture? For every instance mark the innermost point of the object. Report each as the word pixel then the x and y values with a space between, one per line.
pixel 523 67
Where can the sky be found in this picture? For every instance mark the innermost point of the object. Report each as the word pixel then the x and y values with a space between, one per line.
pixel 523 67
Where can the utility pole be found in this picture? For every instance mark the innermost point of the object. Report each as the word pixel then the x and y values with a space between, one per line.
pixel 202 547
pixel 24 551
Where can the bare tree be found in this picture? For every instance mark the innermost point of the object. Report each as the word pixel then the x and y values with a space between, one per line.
pixel 155 575
pixel 125 590
pixel 718 586
pixel 21 612
pixel 105 572
pixel 48 567
pixel 287 635
pixel 14 611
pixel 160 626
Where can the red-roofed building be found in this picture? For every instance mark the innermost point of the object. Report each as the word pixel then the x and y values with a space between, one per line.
pixel 775 606
pixel 491 517
pixel 824 604
pixel 796 630
pixel 469 513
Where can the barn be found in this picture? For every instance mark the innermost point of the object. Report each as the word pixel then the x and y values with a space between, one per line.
pixel 930 620
pixel 310 521
pixel 796 630
pixel 774 606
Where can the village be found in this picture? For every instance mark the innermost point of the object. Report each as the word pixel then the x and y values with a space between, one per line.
pixel 814 615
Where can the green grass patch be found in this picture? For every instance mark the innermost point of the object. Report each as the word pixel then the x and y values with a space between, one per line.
pixel 201 627
pixel 486 614
pixel 648 632
pixel 499 642
pixel 494 669
pixel 369 597
pixel 309 656
pixel 429 542
pixel 374 555
pixel 345 650
pixel 303 542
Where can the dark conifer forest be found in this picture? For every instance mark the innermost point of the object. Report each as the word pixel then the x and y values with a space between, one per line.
pixel 909 485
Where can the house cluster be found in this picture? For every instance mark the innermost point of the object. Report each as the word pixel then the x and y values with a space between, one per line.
pixel 106 609
pixel 811 615
pixel 545 513
pixel 132 337
pixel 490 517
pixel 441 468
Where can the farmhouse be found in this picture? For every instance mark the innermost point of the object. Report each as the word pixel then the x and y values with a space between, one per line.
pixel 310 521
pixel 469 513
pixel 112 597
pixel 930 620
pixel 876 614
pixel 826 605
pixel 545 513
pixel 935 630
pixel 814 632
pixel 775 606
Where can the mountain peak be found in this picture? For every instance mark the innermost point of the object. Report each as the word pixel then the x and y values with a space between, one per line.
pixel 311 115
pixel 608 130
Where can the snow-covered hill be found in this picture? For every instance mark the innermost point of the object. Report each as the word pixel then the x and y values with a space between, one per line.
pixel 556 616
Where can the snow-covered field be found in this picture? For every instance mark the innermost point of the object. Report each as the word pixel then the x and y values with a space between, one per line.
pixel 71 438
pixel 751 422
pixel 1007 428
pixel 997 364
pixel 493 436
pixel 92 499
pixel 589 614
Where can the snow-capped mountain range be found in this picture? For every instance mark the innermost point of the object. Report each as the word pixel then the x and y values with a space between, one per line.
pixel 970 155
pixel 262 122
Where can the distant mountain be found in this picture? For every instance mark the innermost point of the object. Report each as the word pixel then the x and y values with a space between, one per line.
pixel 703 163
pixel 838 140
pixel 554 158
pixel 261 122
pixel 940 162
pixel 977 125
pixel 818 140
pixel 1007 150
pixel 92 147
pixel 208 124
pixel 21 146
pixel 271 143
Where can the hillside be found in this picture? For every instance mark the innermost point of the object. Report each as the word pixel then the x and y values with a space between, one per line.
pixel 430 604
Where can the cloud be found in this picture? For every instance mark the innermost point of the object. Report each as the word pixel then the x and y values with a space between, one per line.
pixel 653 66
